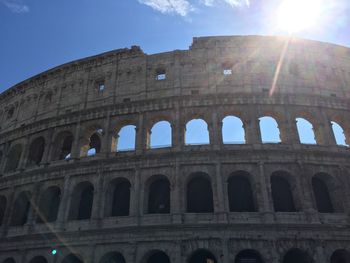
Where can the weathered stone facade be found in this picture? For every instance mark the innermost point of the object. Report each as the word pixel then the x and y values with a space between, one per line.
pixel 47 123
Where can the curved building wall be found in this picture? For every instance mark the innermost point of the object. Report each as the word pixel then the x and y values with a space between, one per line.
pixel 148 202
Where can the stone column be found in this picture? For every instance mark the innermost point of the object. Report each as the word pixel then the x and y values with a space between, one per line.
pixel 34 206
pixel 252 130
pixel 220 204
pixel 225 250
pixel 48 146
pixel 75 147
pixel 4 157
pixel 176 208
pixel 135 195
pixel 8 212
pixel 179 133
pixel 140 136
pixel 96 213
pixel 63 208
pixel 266 204
pixel 106 144
pixel 291 132
pixel 24 156
pixel 214 131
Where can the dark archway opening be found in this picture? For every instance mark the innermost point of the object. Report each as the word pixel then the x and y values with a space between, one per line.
pixel 199 195
pixel 38 259
pixel 202 256
pixel 322 197
pixel 36 151
pixel 72 258
pixel 9 260
pixel 158 257
pixel 13 158
pixel 340 256
pixel 159 197
pixel 296 255
pixel 94 145
pixel 240 193
pixel 3 202
pixel 82 200
pixel 121 199
pixel 20 209
pixel 248 256
pixel 112 257
pixel 48 205
pixel 282 195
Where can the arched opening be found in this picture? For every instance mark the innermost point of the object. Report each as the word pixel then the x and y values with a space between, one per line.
pixel 339 134
pixel 9 260
pixel 13 158
pixel 112 257
pixel 81 201
pixel 305 131
pixel 202 256
pixel 120 194
pixel 340 256
pixel 73 258
pixel 199 194
pixel 38 259
pixel 158 257
pixel 232 130
pixel 94 144
pixel 281 194
pixel 296 255
pixel 160 135
pixel 240 194
pixel 3 202
pixel 159 197
pixel 126 138
pixel 248 256
pixel 269 130
pixel 36 151
pixel 196 132
pixel 322 197
pixel 20 209
pixel 63 146
pixel 48 205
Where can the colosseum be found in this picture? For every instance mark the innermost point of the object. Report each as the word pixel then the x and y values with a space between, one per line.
pixel 100 160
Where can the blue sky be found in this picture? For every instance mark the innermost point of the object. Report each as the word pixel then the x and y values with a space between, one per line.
pixel 36 35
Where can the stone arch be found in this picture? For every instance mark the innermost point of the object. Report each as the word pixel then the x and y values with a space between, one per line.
pixel 202 256
pixel 118 199
pixel 240 193
pixel 269 130
pixel 112 257
pixel 3 205
pixel 322 197
pixel 233 130
pixel 62 147
pixel 126 138
pixel 196 132
pixel 305 131
pixel 340 256
pixel 339 134
pixel 248 255
pixel 199 194
pixel 20 209
pixel 9 260
pixel 36 151
pixel 48 206
pixel 282 195
pixel 297 255
pixel 91 141
pixel 73 258
pixel 334 189
pixel 156 256
pixel 160 135
pixel 38 259
pixel 13 158
pixel 158 195
pixel 81 201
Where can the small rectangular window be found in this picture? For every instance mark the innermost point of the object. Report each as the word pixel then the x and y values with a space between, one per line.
pixel 126 100
pixel 101 87
pixel 161 76
pixel 194 92
pixel 227 72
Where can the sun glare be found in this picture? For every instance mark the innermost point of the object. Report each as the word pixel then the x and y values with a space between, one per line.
pixel 298 15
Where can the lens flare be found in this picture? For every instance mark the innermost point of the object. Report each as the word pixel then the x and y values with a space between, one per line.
pixel 298 15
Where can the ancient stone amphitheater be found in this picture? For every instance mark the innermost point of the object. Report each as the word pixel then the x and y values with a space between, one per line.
pixel 72 191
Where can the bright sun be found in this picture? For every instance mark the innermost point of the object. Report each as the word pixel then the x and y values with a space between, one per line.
pixel 297 15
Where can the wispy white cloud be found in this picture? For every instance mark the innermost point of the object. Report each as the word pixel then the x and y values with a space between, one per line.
pixel 233 3
pixel 180 7
pixel 16 6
